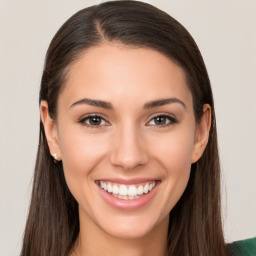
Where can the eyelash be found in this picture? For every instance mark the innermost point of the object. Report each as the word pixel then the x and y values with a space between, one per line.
pixel 171 120
pixel 88 117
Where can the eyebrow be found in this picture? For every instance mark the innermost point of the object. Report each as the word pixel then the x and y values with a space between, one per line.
pixel 95 103
pixel 108 105
pixel 161 102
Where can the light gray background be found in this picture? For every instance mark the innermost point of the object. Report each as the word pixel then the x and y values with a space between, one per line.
pixel 226 34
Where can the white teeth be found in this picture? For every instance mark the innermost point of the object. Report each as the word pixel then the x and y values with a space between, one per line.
pixel 115 189
pixel 132 191
pixel 123 190
pixel 140 190
pixel 145 189
pixel 110 190
pixel 127 192
pixel 123 197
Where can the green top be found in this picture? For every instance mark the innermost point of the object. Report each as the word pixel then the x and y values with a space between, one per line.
pixel 244 247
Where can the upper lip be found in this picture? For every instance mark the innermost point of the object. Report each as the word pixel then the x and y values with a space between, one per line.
pixel 128 181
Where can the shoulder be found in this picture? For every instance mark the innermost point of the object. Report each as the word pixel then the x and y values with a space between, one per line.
pixel 245 247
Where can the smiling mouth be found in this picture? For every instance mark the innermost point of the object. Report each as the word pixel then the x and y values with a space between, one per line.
pixel 127 192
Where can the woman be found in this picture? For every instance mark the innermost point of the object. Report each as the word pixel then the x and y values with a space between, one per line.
pixel 127 161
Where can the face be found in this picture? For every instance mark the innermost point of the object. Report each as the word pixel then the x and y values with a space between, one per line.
pixel 127 136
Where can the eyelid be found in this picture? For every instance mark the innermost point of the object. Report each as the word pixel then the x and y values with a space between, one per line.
pixel 171 118
pixel 83 118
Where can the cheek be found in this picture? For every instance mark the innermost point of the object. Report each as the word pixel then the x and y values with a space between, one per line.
pixel 174 150
pixel 175 159
pixel 80 148
pixel 81 153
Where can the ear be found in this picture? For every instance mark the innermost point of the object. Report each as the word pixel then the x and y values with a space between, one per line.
pixel 50 129
pixel 202 133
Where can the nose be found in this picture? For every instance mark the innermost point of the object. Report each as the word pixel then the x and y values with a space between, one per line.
pixel 128 149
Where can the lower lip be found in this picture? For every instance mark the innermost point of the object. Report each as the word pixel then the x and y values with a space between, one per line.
pixel 132 204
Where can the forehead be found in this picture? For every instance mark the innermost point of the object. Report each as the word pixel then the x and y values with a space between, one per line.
pixel 114 71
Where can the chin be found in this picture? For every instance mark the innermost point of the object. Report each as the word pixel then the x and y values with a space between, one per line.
pixel 131 227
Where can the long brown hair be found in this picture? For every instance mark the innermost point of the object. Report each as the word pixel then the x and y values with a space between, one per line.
pixel 195 226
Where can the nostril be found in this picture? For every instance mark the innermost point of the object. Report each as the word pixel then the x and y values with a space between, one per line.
pixel 128 150
pixel 129 162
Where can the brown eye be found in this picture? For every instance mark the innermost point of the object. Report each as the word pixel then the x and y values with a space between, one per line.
pixel 162 120
pixel 93 121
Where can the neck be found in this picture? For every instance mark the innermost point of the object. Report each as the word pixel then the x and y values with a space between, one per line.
pixel 94 241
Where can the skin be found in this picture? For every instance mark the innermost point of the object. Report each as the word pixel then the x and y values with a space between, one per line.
pixel 128 143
